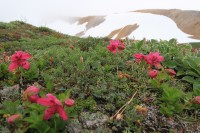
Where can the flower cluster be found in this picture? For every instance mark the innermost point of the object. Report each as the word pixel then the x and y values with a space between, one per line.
pixel 53 106
pixel 19 59
pixel 31 93
pixel 50 101
pixel 154 60
pixel 115 46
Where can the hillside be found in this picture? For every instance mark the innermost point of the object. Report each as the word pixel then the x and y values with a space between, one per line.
pixel 187 21
pixel 149 23
pixel 132 89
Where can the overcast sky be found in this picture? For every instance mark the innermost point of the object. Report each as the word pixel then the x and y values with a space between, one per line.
pixel 34 10
pixel 55 13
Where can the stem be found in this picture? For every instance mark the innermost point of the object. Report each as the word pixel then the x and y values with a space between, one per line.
pixel 124 106
pixel 20 87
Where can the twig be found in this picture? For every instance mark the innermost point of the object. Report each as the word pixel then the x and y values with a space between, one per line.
pixel 20 88
pixel 124 106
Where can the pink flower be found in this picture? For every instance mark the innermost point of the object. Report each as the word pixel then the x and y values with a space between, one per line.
pixel 31 93
pixel 153 73
pixel 13 118
pixel 54 106
pixel 154 58
pixel 69 102
pixel 121 46
pixel 115 46
pixel 138 57
pixel 19 59
pixel 171 72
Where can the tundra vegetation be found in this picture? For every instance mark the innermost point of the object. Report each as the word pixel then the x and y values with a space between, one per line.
pixel 51 82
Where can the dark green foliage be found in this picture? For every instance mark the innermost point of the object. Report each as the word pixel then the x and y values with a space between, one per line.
pixel 85 68
pixel 171 100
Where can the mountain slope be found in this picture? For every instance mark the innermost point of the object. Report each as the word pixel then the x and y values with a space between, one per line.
pixel 187 21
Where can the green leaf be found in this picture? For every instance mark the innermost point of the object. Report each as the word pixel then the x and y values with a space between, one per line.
pixel 166 109
pixel 171 95
pixel 41 126
pixel 34 116
pixel 193 65
pixel 180 73
pixel 37 107
pixel 11 107
pixel 196 86
pixel 49 85
pixel 189 79
pixel 57 123
pixel 178 107
pixel 3 112
pixel 172 41
pixel 170 64
pixel 139 44
pixel 155 83
pixel 196 89
pixel 192 73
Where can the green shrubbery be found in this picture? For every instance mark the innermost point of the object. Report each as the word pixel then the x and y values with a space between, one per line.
pixel 101 81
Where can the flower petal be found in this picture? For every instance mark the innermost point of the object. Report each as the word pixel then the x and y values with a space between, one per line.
pixel 13 118
pixel 54 99
pixel 34 98
pixel 62 113
pixel 13 66
pixel 32 89
pixel 25 56
pixel 45 102
pixel 48 113
pixel 114 43
pixel 25 65
pixel 112 48
pixel 51 96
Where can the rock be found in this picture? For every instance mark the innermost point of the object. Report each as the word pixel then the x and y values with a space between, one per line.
pixel 74 126
pixel 36 84
pixel 98 130
pixel 93 120
pixel 156 122
pixel 9 92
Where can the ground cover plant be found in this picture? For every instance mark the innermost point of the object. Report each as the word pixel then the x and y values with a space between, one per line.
pixel 50 82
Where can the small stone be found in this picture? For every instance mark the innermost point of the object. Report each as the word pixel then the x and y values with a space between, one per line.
pixel 93 120
pixel 9 92
pixel 74 126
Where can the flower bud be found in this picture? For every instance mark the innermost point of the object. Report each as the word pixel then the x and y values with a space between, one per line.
pixel 69 102
pixel 13 118
pixel 171 72
pixel 153 73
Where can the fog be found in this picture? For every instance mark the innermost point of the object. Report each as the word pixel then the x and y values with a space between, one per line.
pixel 40 11
pixel 55 13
